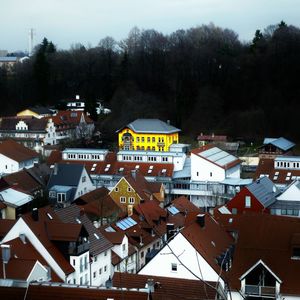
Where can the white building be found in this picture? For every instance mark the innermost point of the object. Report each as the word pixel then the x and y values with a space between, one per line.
pixel 14 157
pixel 193 253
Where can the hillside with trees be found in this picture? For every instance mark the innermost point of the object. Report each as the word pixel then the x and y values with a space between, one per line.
pixel 202 79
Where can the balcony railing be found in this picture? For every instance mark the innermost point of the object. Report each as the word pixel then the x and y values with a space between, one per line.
pixel 78 249
pixel 260 290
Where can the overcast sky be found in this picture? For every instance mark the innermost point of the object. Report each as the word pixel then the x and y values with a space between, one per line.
pixel 87 21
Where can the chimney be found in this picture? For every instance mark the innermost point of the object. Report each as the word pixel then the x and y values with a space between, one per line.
pixel 201 220
pixel 22 238
pixel 150 285
pixel 35 214
pixel 5 257
pixel 168 122
pixel 170 230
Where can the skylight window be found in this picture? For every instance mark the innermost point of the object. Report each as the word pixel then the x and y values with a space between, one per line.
pixel 126 223
pixel 164 170
pixel 96 236
pixel 121 169
pixel 49 216
pixel 78 221
pixel 151 167
pixel 149 171
pixel 137 166
pixel 173 210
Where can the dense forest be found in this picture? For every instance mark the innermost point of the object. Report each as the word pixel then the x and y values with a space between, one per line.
pixel 202 79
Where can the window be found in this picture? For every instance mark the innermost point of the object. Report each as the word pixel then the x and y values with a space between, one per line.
pixel 105 268
pixel 52 194
pixel 197 173
pixel 234 211
pixel 124 247
pixel 116 189
pixel 94 274
pixel 296 252
pixel 143 139
pixel 61 197
pixel 74 281
pixel 248 201
pixel 137 139
pixel 142 254
pixel 105 253
pixel 153 139
pixel 148 139
pixel 83 178
pixel 131 200
pixel 210 174
pixel 174 267
pixel 122 199
pixel 81 280
pixel 129 189
pixel 95 258
pixel 100 271
pixel 74 262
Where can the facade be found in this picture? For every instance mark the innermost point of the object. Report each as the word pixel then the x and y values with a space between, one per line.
pixel 133 189
pixel 32 132
pixel 147 134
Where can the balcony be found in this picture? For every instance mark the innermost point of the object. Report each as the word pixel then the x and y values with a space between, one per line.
pixel 257 290
pixel 78 249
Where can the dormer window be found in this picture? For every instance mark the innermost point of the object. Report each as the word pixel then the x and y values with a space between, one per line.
pixel 296 253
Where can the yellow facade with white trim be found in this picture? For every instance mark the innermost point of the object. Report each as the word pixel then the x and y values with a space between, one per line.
pixel 130 140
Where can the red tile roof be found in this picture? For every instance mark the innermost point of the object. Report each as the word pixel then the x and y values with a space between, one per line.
pixel 212 137
pixel 210 241
pixel 22 180
pixel 63 232
pixel 16 151
pixel 167 288
pixel 40 230
pixel 69 118
pixel 269 238
pixel 266 167
pixel 5 226
pixel 100 167
pixel 47 292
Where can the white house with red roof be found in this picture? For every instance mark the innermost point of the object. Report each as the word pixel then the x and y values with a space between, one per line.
pixel 202 250
pixel 14 157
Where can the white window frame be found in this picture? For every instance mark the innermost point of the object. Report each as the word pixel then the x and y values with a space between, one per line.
pixel 131 200
pixel 247 201
pixel 122 199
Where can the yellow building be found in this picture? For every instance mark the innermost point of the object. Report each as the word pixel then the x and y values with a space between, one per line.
pixel 36 112
pixel 133 189
pixel 147 134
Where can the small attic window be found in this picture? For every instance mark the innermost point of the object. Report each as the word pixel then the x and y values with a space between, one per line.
pixel 296 253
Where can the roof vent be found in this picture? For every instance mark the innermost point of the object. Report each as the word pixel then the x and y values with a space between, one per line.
pixel 35 214
pixel 201 220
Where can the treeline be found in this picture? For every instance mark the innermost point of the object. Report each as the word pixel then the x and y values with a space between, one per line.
pixel 203 79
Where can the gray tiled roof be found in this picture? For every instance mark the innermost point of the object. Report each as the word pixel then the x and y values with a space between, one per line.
pixel 151 126
pixel 70 214
pixel 281 143
pixel 264 191
pixel 65 174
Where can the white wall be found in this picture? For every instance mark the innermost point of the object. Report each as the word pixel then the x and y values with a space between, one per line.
pixel 8 165
pixel 84 187
pixel 203 170
pixel 38 272
pixel 233 172
pixel 292 193
pixel 160 265
pixel 101 262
